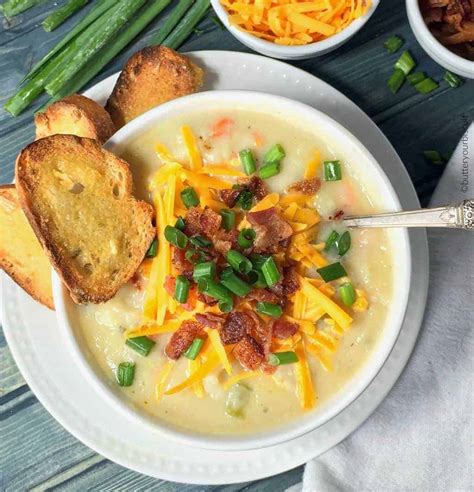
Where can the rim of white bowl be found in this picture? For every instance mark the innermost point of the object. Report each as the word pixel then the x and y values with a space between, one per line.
pixel 434 48
pixel 305 50
pixel 346 394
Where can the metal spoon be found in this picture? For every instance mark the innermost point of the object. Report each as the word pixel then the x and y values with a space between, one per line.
pixel 460 216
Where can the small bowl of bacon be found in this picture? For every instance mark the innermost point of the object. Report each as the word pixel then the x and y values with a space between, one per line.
pixel 445 30
pixel 294 30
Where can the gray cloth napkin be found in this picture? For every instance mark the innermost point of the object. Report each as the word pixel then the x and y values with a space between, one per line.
pixel 421 436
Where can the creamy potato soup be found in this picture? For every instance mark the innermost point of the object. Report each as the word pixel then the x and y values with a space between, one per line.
pixel 317 333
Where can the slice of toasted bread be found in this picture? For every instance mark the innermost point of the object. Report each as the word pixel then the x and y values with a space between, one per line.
pixel 21 254
pixel 151 77
pixel 77 197
pixel 75 115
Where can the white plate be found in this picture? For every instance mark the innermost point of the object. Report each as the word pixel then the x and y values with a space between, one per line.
pixel 37 345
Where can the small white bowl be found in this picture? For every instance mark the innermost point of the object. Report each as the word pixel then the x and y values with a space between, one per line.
pixel 433 47
pixel 312 50
pixel 353 152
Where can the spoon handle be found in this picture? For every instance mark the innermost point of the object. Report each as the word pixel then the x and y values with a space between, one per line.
pixel 460 216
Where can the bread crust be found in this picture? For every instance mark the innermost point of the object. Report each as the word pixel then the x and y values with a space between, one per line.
pixel 26 271
pixel 29 168
pixel 150 77
pixel 75 115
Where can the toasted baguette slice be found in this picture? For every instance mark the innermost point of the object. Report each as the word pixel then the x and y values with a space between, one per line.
pixel 151 77
pixel 21 254
pixel 75 115
pixel 77 197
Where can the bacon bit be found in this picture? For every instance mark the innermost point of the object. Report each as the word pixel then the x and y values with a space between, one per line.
pixel 258 187
pixel 284 329
pixel 306 186
pixel 199 221
pixel 192 221
pixel 263 295
pixel 210 320
pixel 180 262
pixel 229 197
pixel 209 301
pixel 261 332
pixel 222 127
pixel 237 324
pixel 290 281
pixel 270 229
pixel 170 284
pixel 225 240
pixel 183 338
pixel 249 353
pixel 337 216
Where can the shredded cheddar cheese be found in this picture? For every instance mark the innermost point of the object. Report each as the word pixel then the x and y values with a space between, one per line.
pixel 294 22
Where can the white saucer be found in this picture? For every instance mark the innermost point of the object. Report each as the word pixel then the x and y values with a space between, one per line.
pixel 40 350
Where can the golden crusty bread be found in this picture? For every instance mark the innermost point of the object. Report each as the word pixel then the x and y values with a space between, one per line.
pixel 75 115
pixel 21 254
pixel 77 197
pixel 152 76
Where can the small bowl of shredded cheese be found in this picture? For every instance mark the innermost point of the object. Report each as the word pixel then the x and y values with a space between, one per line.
pixel 294 29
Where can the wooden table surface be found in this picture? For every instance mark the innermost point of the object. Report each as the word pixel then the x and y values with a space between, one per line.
pixel 35 451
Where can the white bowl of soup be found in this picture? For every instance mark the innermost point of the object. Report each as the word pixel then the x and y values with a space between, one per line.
pixel 347 323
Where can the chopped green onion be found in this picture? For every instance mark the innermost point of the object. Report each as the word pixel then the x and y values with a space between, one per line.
pixel 426 86
pixel 245 200
pixel 331 240
pixel 434 157
pixel 347 293
pixel 142 345
pixel 180 224
pixel 237 398
pixel 332 272
pixel 170 22
pixel 258 260
pixel 344 243
pixel 332 171
pixel 282 358
pixel 396 80
pixel 270 309
pixel 405 63
pixel 269 170
pixel 211 288
pixel 226 306
pixel 62 14
pixel 193 350
pixel 238 261
pixel 228 219
pixel 248 161
pixel 393 44
pixel 195 256
pixel 176 237
pixel 270 272
pixel 415 78
pixel 256 279
pixel 274 154
pixel 187 24
pixel 452 79
pixel 246 238
pixel 181 290
pixel 125 373
pixel 235 284
pixel 153 249
pixel 204 270
pixel 200 241
pixel 189 197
